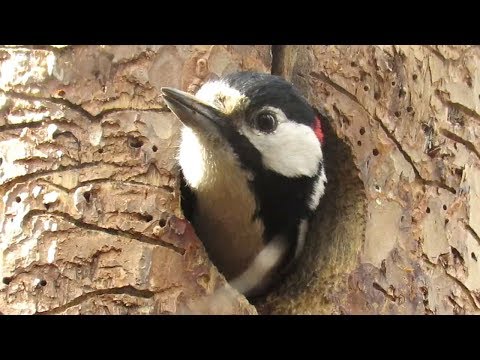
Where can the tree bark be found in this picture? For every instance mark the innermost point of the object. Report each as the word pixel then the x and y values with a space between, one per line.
pixel 91 223
pixel 90 220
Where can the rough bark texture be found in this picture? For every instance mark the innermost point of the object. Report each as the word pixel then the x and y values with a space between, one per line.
pixel 90 220
pixel 398 232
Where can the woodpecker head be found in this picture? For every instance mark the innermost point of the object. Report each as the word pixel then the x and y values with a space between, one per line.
pixel 264 121
pixel 261 124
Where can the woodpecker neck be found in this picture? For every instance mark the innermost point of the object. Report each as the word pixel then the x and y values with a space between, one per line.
pixel 225 205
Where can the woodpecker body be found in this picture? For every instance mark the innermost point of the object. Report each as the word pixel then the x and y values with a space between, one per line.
pixel 251 153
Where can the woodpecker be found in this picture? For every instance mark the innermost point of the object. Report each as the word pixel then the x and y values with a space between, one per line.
pixel 251 154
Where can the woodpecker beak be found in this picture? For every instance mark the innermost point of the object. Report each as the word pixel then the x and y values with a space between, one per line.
pixel 193 113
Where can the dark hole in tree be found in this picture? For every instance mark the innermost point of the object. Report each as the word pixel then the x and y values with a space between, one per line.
pixel 61 93
pixel 1 161
pixel 414 76
pixel 135 143
pixel 353 64
pixel 409 109
pixel 444 207
pixel 43 282
pixel 376 95
pixel 474 257
pixel 148 218
pixel 154 148
pixel 446 221
pixel 428 210
pixel 401 93
pixel 18 199
pixel 375 152
pixel 47 206
pixel 393 83
pixel 7 280
pixel 359 143
pixel 162 222
pixel 366 88
pixel 87 195
pixel 362 130
pixel 100 151
pixel 397 114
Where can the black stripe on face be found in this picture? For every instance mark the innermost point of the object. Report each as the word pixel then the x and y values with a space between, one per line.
pixel 282 202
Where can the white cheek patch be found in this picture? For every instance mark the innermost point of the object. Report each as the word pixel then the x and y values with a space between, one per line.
pixel 292 150
pixel 222 96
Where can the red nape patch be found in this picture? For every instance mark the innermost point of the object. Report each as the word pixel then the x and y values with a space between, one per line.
pixel 317 128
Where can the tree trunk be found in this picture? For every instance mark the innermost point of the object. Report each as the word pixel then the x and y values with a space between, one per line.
pixel 91 219
pixel 91 222
pixel 398 231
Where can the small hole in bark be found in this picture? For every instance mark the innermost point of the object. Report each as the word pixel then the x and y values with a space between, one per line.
pixel 353 64
pixel 162 222
pixel 397 114
pixel 402 218
pixel 409 109
pixel 366 88
pixel 1 161
pixel 18 199
pixel 148 218
pixel 43 282
pixel 47 206
pixel 393 83
pixel 362 130
pixel 474 257
pixel 376 95
pixel 136 143
pixel 459 172
pixel 375 152
pixel 154 148
pixel 100 151
pixel 402 93
pixel 446 221
pixel 359 143
pixel 414 76
pixel 444 207
pixel 61 93
pixel 428 210
pixel 87 195
pixel 7 280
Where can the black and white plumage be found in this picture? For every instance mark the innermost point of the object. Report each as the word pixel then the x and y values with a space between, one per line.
pixel 251 152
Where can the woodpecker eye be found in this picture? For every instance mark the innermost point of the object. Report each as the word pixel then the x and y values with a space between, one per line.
pixel 265 122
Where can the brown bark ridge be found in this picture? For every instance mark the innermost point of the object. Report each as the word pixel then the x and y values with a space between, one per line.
pixel 398 231
pixel 90 220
